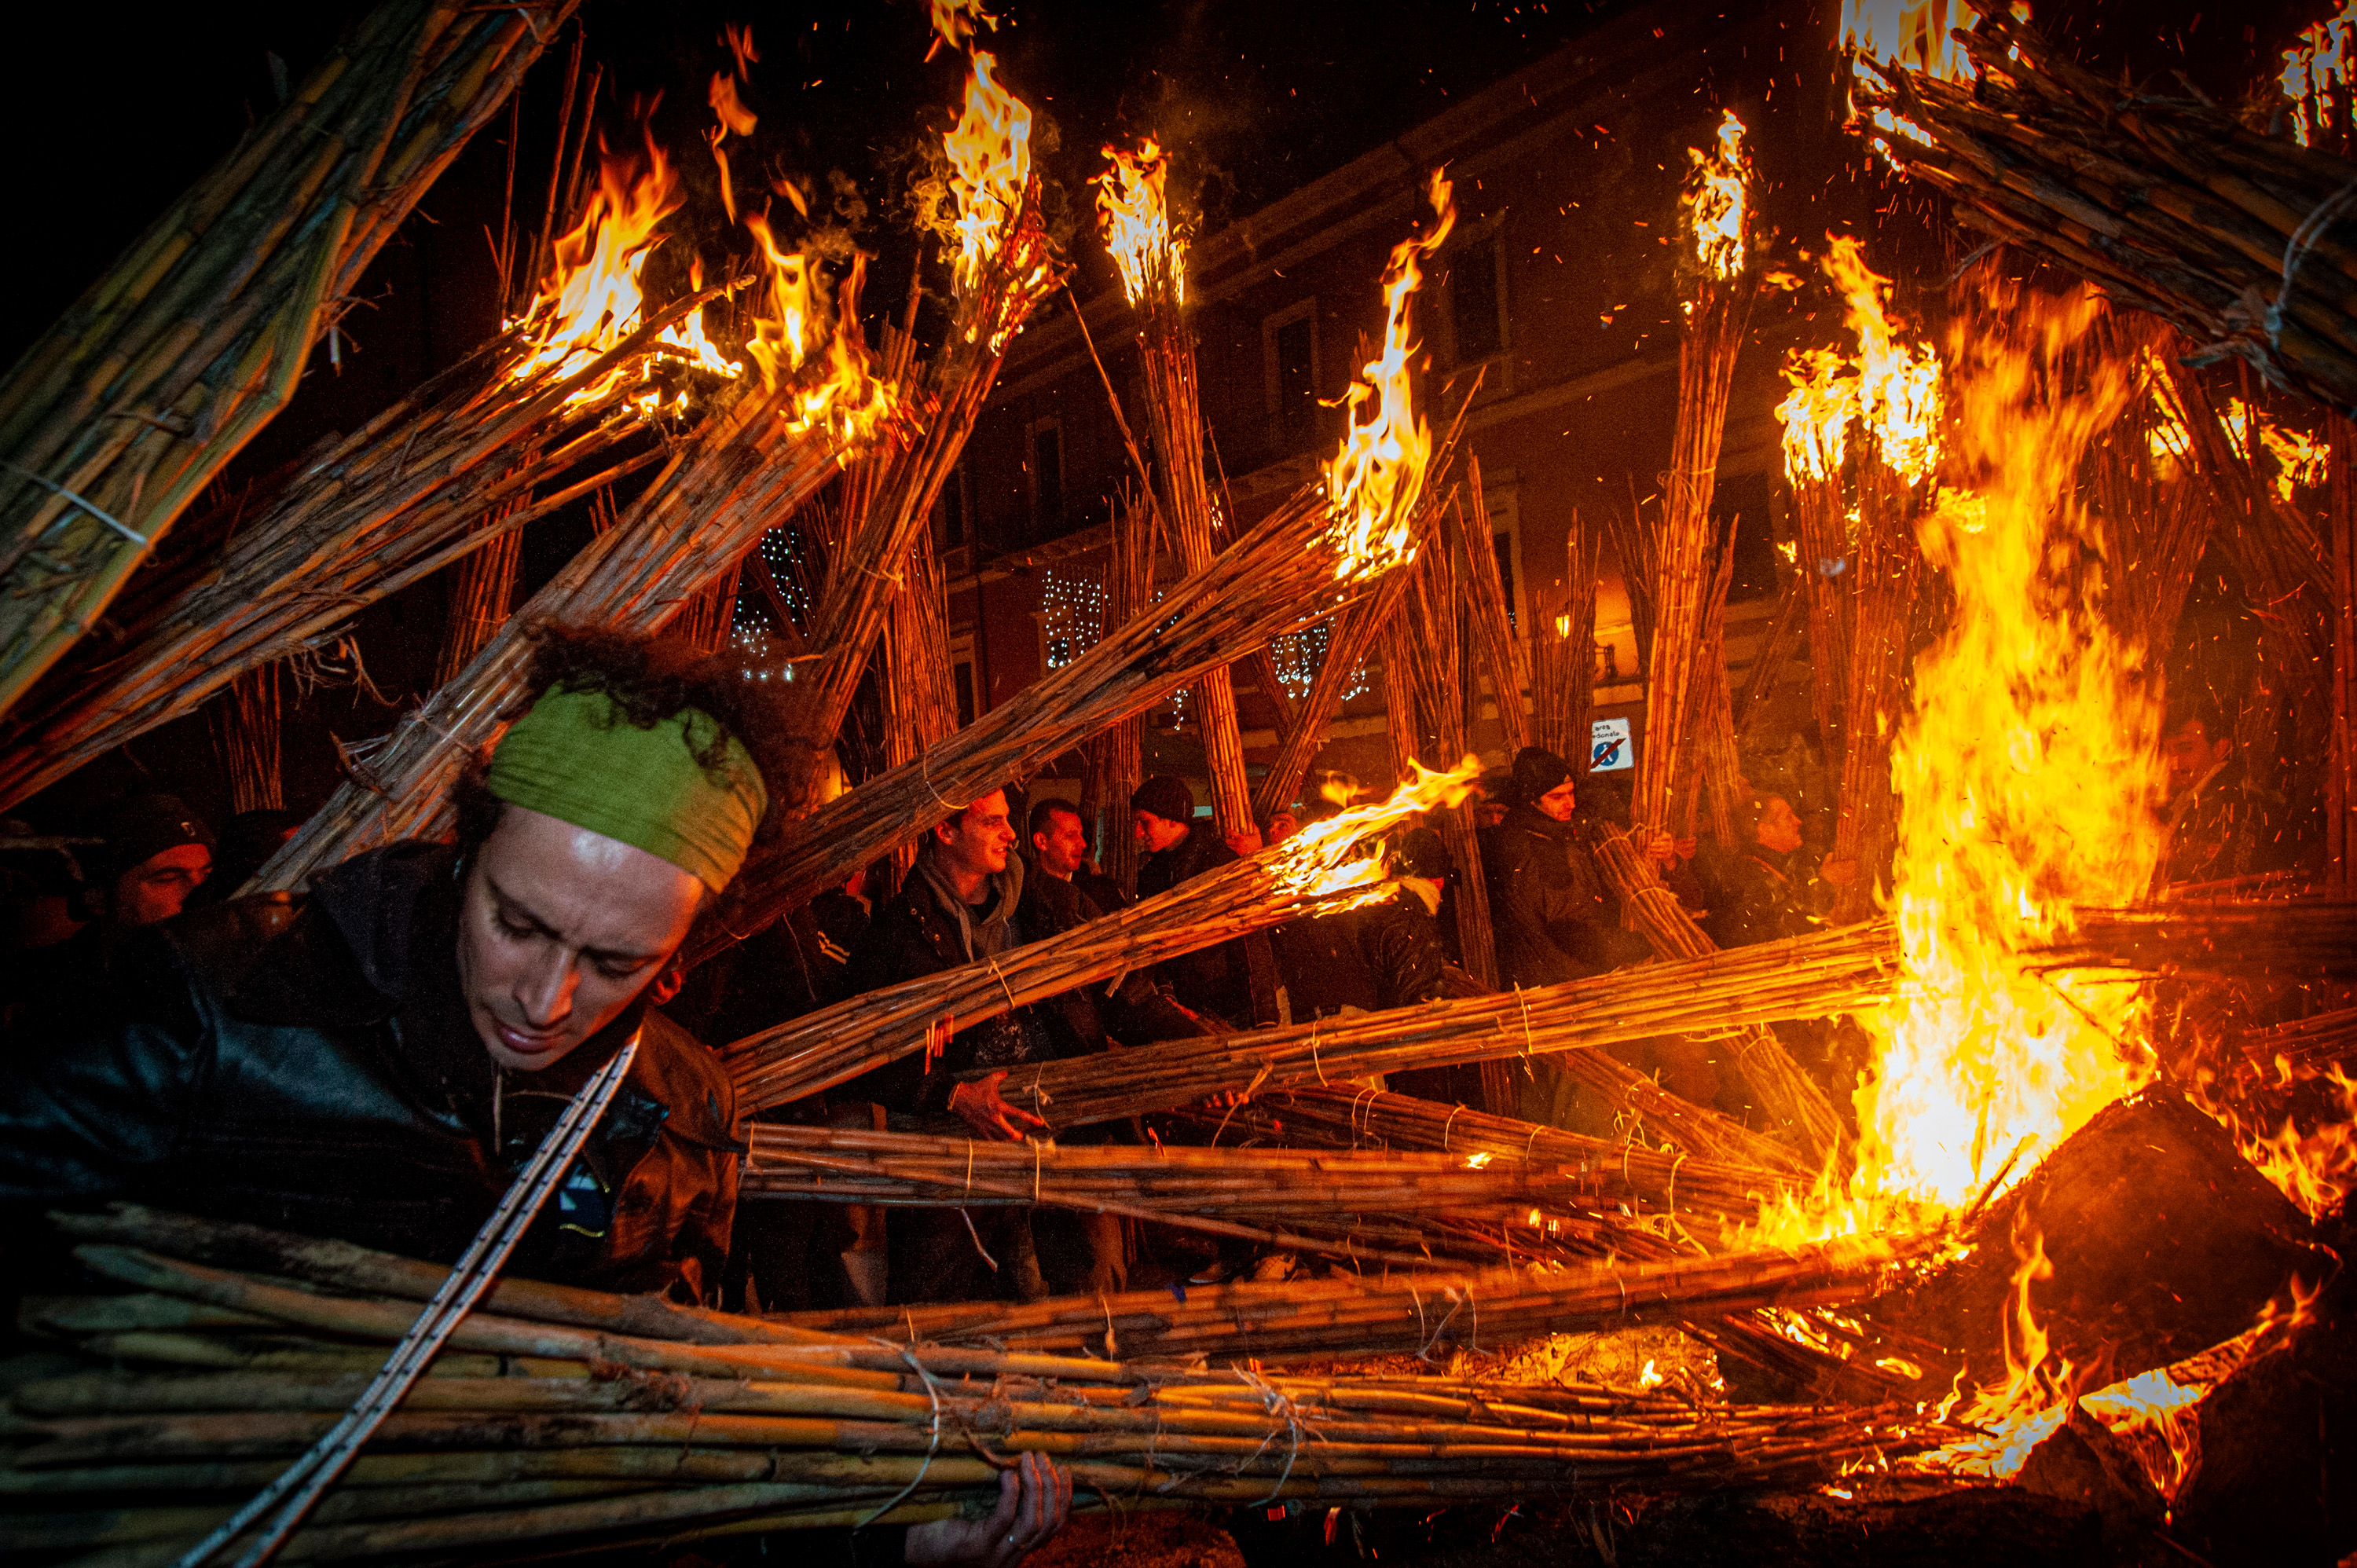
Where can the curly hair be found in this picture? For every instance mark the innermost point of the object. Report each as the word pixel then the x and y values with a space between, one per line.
pixel 650 680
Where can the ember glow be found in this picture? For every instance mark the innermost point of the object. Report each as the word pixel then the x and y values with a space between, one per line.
pixel 1718 201
pixel 1133 215
pixel 2026 774
pixel 1374 481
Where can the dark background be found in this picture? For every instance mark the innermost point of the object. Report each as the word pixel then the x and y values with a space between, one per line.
pixel 110 113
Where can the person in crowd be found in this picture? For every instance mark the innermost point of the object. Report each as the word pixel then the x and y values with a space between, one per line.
pixel 1282 824
pixel 1215 981
pixel 1059 848
pixel 1553 916
pixel 1380 955
pixel 2221 824
pixel 968 899
pixel 247 843
pixel 1775 887
pixel 375 1060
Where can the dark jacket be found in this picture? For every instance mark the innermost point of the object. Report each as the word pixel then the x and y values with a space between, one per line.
pixel 1384 955
pixel 1769 895
pixel 2223 827
pixel 1216 980
pixel 912 935
pixel 1553 918
pixel 307 1064
pixel 797 963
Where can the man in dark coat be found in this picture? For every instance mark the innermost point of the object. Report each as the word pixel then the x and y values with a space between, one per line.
pixel 2221 824
pixel 1774 885
pixel 1218 979
pixel 1380 955
pixel 1059 847
pixel 1554 919
pixel 966 899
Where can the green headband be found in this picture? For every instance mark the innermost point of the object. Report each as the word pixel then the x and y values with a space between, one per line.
pixel 575 758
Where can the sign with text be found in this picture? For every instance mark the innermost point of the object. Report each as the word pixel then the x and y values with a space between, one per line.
pixel 1611 747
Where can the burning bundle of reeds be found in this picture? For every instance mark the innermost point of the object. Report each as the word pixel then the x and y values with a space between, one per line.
pixel 1317 868
pixel 450 469
pixel 114 420
pixel 1150 252
pixel 1563 655
pixel 2148 511
pixel 1319 551
pixel 1417 1315
pixel 1811 976
pixel 1679 687
pixel 581 1422
pixel 1795 1102
pixel 2203 939
pixel 1816 416
pixel 1363 1205
pixel 749 464
pixel 1619 1170
pixel 2172 205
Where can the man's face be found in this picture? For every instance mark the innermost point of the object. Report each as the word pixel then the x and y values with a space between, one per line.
pixel 1064 846
pixel 1281 827
pixel 1557 803
pixel 976 839
pixel 2190 753
pixel 1780 828
pixel 156 887
pixel 1156 834
pixel 559 931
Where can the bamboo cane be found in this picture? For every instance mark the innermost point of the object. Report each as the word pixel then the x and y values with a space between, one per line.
pixel 117 418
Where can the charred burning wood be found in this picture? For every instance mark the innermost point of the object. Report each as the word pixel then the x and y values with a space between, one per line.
pixel 2213 939
pixel 2162 1242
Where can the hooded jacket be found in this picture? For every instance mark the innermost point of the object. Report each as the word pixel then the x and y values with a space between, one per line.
pixel 307 1064
pixel 924 929
pixel 1555 920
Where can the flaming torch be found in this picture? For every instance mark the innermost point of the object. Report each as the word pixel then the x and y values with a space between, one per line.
pixel 1324 868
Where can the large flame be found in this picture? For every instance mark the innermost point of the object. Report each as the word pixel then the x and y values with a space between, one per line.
pixel 1816 414
pixel 1339 855
pixel 1374 481
pixel 2026 777
pixel 1133 214
pixel 990 167
pixel 1717 200
pixel 1899 384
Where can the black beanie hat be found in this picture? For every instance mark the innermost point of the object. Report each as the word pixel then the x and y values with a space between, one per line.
pixel 1420 853
pixel 147 825
pixel 1165 796
pixel 1536 771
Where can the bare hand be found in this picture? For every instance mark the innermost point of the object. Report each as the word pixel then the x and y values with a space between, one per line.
pixel 1661 847
pixel 1840 873
pixel 1035 1496
pixel 979 1106
pixel 1246 842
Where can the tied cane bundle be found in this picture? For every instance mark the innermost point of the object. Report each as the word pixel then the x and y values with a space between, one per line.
pixel 2212 938
pixel 1117 756
pixel 114 420
pixel 1416 1315
pixel 2172 205
pixel 1625 1171
pixel 451 470
pixel 1563 656
pixel 582 1422
pixel 1365 1206
pixel 749 463
pixel 1828 971
pixel 1302 875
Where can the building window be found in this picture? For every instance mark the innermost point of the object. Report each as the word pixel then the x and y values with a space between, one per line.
pixel 962 673
pixel 1505 537
pixel 1048 477
pixel 1291 342
pixel 1477 300
pixel 954 509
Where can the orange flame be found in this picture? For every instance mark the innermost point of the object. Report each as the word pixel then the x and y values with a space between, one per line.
pixel 1899 387
pixel 1816 414
pixel 852 402
pixel 1135 219
pixel 1374 481
pixel 591 298
pixel 1336 855
pixel 990 167
pixel 955 23
pixel 1717 200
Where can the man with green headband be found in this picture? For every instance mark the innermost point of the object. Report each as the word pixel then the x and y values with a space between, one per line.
pixel 375 1059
